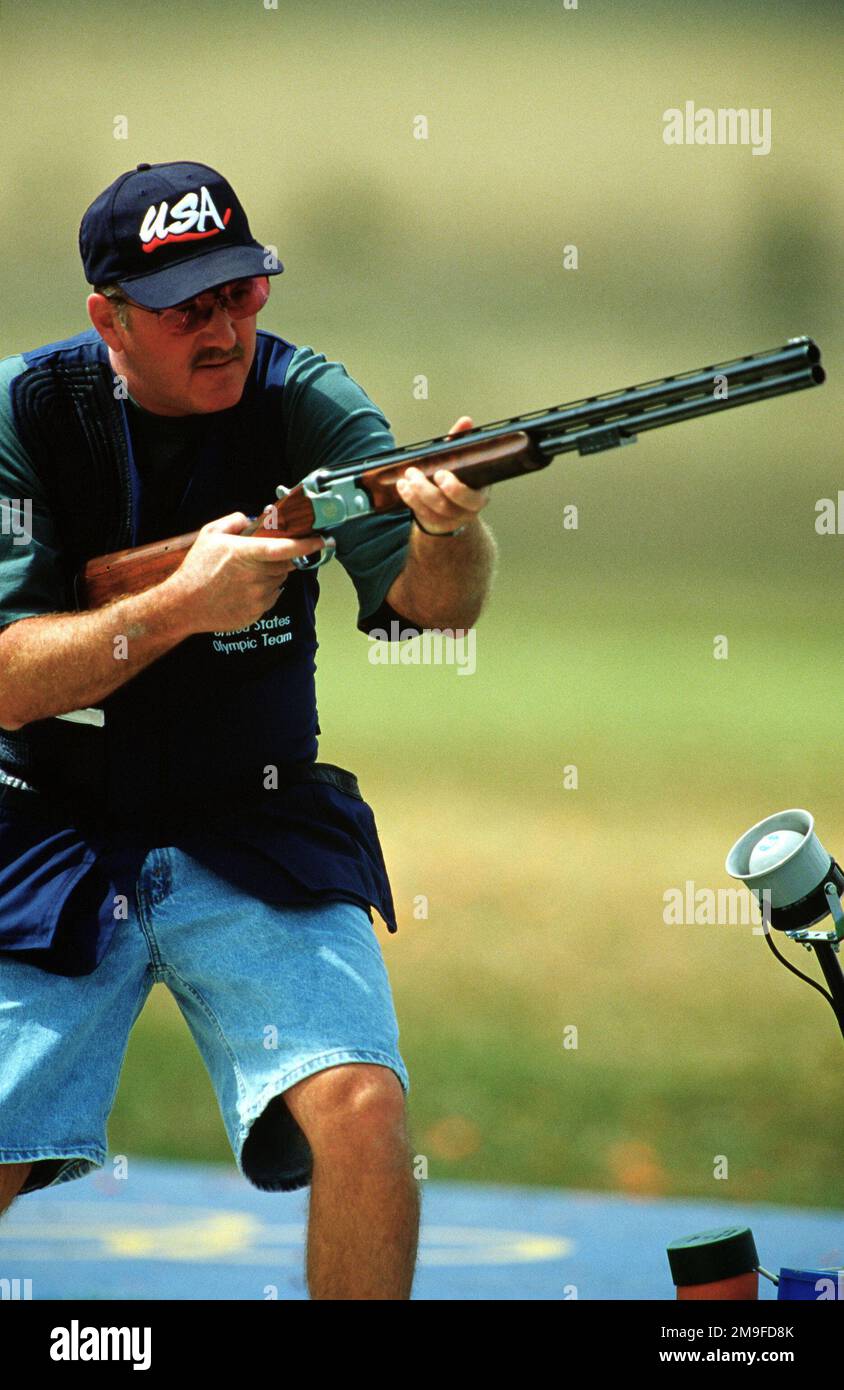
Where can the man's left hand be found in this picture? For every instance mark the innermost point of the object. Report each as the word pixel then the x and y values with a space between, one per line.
pixel 442 503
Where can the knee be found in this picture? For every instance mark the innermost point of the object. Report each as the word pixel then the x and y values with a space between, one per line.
pixel 350 1106
pixel 12 1178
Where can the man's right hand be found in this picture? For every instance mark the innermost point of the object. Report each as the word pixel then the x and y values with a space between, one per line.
pixel 228 581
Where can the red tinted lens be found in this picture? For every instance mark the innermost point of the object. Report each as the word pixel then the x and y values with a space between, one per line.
pixel 187 318
pixel 239 299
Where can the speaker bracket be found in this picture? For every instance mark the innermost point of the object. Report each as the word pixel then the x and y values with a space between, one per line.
pixel 836 913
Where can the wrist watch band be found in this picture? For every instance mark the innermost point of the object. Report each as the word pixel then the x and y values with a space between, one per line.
pixel 440 535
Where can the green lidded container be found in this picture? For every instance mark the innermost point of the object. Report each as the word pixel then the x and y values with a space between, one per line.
pixel 713 1256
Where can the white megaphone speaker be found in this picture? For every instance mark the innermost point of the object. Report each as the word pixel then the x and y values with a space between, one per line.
pixel 783 858
pixel 796 883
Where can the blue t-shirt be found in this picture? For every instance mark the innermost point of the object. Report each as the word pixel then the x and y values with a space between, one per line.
pixel 297 844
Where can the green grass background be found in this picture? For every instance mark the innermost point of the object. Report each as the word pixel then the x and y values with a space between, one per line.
pixel 444 257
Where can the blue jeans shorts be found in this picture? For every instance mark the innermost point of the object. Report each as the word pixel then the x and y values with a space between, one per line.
pixel 271 994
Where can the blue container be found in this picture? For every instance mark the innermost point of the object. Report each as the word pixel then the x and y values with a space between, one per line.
pixel 817 1285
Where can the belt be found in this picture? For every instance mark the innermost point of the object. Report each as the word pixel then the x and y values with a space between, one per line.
pixel 22 795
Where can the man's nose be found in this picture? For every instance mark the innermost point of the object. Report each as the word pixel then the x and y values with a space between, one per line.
pixel 219 331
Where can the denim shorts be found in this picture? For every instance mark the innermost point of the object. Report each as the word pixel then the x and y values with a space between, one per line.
pixel 271 994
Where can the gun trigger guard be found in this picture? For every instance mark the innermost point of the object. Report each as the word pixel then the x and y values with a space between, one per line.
pixel 310 562
pixel 313 562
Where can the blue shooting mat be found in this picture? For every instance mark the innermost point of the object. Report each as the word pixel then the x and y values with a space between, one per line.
pixel 190 1231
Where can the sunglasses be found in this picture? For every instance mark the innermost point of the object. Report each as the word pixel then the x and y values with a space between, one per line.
pixel 238 298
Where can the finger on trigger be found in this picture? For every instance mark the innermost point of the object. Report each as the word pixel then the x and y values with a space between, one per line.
pixel 306 544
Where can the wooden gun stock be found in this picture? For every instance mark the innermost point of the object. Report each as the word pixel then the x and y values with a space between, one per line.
pixel 124 572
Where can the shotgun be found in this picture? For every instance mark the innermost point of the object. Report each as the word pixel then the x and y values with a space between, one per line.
pixel 329 497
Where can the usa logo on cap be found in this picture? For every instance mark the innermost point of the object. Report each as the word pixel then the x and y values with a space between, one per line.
pixel 189 217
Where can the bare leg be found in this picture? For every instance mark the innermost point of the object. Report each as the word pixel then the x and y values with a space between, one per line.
pixel 12 1178
pixel 364 1209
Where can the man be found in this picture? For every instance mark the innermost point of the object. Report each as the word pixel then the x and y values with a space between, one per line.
pixel 162 812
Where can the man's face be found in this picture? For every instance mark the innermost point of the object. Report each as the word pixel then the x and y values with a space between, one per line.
pixel 193 374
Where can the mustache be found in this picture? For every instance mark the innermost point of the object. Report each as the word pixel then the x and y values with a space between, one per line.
pixel 236 354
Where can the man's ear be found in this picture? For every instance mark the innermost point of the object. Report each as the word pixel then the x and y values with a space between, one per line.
pixel 104 318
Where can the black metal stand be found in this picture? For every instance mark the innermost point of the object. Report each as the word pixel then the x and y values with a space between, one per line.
pixel 834 976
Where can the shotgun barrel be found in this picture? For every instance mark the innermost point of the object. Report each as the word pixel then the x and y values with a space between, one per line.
pixel 605 421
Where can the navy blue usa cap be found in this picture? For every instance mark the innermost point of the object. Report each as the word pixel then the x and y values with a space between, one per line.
pixel 165 232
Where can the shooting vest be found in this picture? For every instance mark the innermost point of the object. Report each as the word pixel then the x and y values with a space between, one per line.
pixel 200 725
